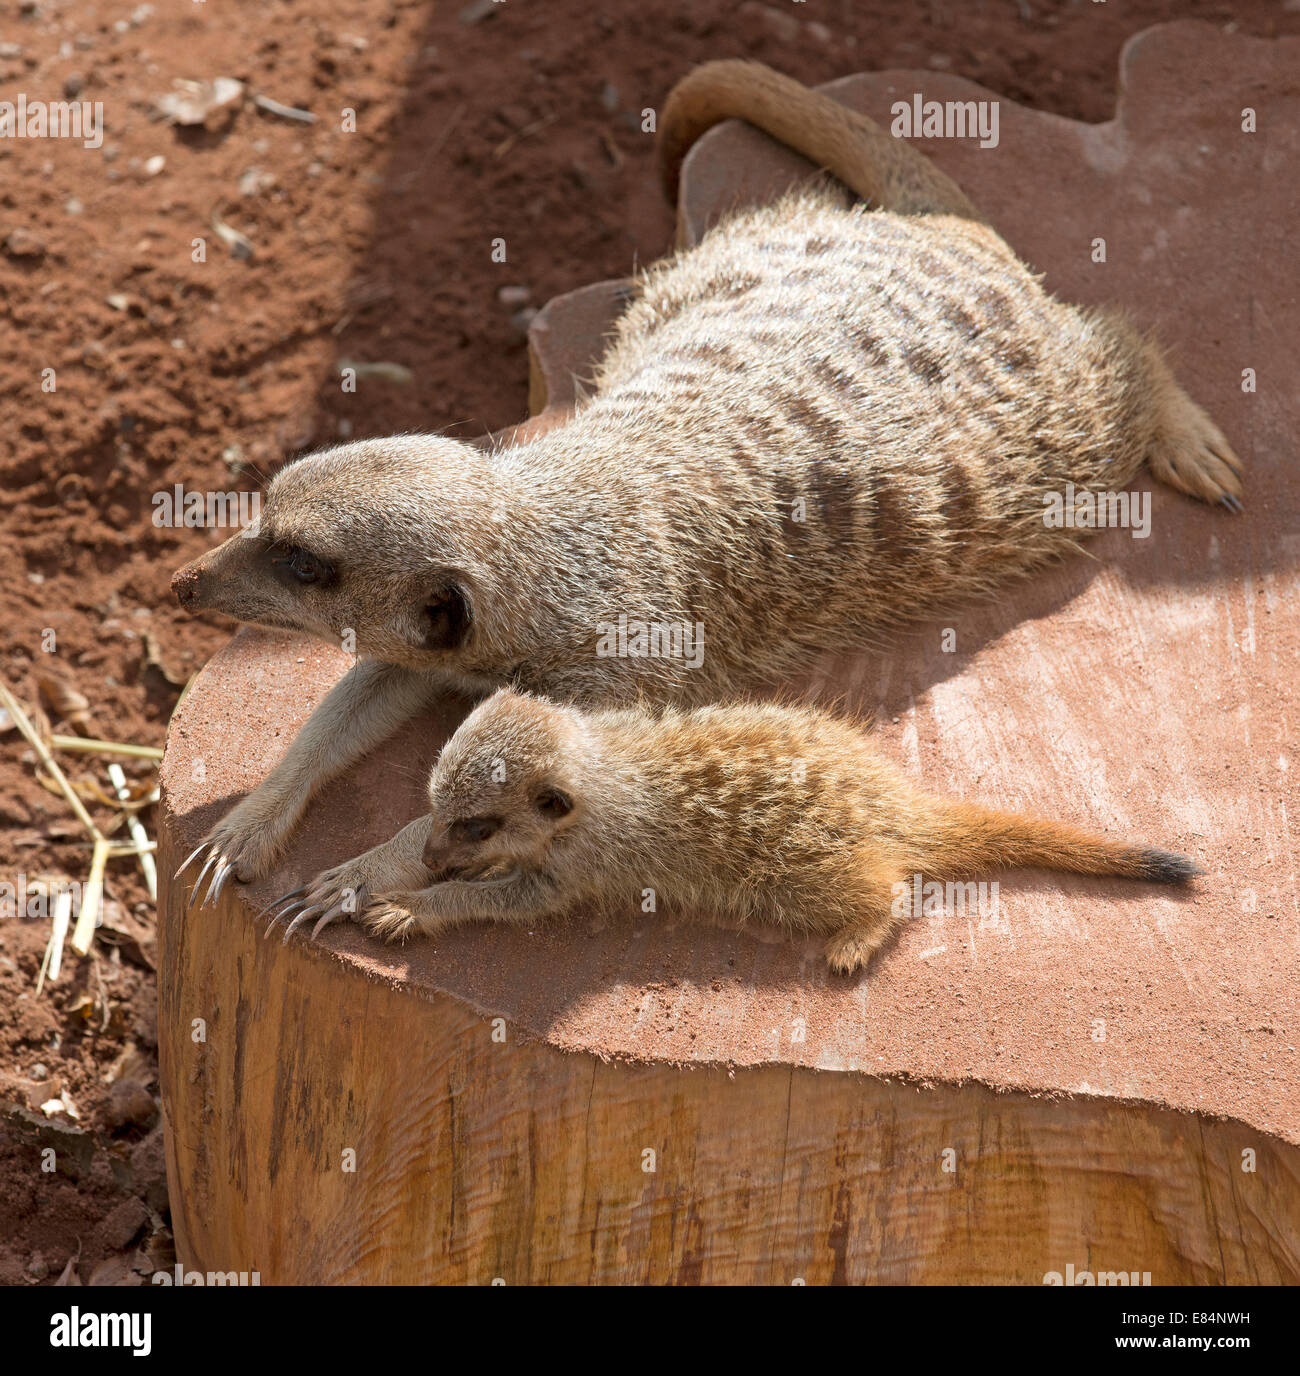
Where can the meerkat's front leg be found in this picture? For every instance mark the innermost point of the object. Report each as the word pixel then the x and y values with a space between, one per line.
pixel 517 897
pixel 365 707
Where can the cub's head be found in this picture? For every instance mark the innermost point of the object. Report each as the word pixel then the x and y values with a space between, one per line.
pixel 506 787
pixel 368 546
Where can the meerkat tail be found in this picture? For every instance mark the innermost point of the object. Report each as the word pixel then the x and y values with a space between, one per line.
pixel 870 162
pixel 964 838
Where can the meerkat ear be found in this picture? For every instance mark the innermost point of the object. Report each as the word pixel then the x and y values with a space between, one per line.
pixel 553 802
pixel 446 619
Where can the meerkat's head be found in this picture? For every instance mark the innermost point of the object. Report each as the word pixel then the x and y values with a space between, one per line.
pixel 386 547
pixel 507 786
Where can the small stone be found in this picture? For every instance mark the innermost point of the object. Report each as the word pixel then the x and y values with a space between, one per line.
pixel 129 1102
pixel 11 49
pixel 155 165
pixel 73 84
pixel 478 10
pixel 777 22
pixel 120 1229
pixel 73 206
pixel 40 1071
pixel 38 1268
pixel 254 180
pixel 514 296
pixel 22 243
pixel 609 97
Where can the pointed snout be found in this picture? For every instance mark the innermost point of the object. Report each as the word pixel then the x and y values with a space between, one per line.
pixel 187 585
pixel 434 855
pixel 438 857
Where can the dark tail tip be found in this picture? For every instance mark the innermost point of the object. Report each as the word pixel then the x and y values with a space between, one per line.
pixel 1164 867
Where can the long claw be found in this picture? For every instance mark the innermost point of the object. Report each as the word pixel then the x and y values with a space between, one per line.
pixel 292 893
pixel 337 911
pixel 283 912
pixel 301 917
pixel 219 883
pixel 197 851
pixel 1231 502
pixel 198 883
pixel 288 908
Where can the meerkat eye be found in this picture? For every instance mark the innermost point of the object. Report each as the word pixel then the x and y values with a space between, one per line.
pixel 552 803
pixel 300 564
pixel 474 829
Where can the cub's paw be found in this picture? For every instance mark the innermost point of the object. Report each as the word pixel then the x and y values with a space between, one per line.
pixel 390 917
pixel 851 949
pixel 246 843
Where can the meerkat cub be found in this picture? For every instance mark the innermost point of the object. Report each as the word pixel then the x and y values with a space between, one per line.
pixel 819 422
pixel 762 813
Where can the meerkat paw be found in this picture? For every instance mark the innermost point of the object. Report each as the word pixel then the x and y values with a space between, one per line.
pixel 345 891
pixel 1196 458
pixel 334 895
pixel 850 949
pixel 246 843
pixel 390 917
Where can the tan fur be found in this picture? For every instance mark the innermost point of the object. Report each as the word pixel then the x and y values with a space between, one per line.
pixel 817 424
pixel 762 813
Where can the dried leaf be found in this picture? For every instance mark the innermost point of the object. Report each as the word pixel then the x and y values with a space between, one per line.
pixel 153 660
pixel 114 1271
pixel 240 245
pixel 63 703
pixel 83 1004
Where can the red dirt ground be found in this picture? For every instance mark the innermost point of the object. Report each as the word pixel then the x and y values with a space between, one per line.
pixel 370 246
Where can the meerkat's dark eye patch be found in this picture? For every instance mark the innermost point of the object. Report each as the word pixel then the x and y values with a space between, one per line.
pixel 551 802
pixel 295 565
pixel 475 829
pixel 446 619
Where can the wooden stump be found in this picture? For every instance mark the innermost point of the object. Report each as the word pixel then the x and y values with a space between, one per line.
pixel 1099 1079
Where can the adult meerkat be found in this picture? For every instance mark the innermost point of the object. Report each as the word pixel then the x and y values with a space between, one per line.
pixel 819 422
pixel 766 813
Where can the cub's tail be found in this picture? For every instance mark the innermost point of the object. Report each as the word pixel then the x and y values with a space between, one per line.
pixel 874 165
pixel 961 839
